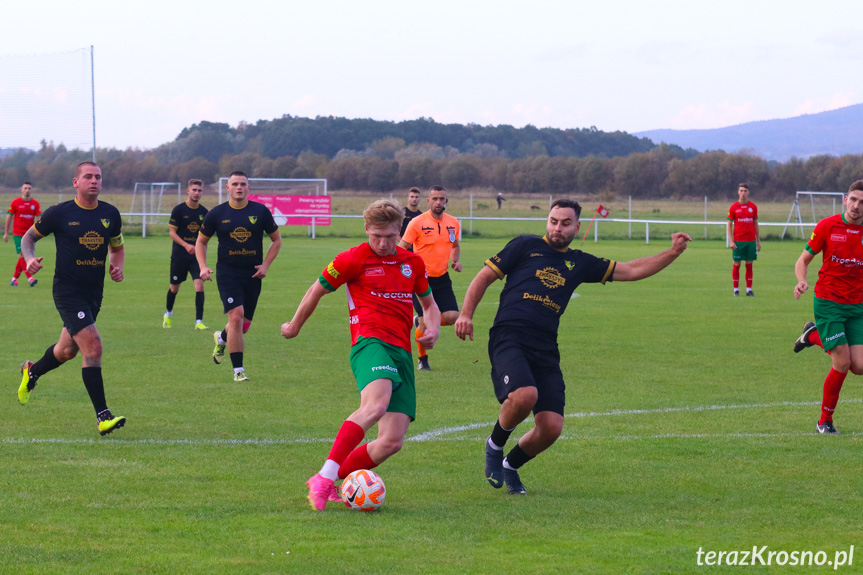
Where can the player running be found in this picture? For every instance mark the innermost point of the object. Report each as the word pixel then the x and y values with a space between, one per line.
pixel 434 236
pixel 21 215
pixel 88 235
pixel 838 302
pixel 183 227
pixel 241 266
pixel 412 209
pixel 744 237
pixel 380 280
pixel 541 274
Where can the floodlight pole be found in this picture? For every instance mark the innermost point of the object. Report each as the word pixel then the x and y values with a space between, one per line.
pixel 93 100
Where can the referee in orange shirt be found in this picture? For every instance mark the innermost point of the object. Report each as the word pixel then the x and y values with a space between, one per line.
pixel 434 236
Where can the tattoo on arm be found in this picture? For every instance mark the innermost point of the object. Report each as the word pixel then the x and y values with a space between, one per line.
pixel 28 244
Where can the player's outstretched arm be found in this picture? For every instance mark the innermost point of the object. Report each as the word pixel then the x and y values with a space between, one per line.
pixel 477 289
pixel 645 267
pixel 800 270
pixel 291 329
pixel 28 250
pixel 201 256
pixel 431 316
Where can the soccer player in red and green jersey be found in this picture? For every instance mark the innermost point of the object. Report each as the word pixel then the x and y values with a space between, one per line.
pixel 380 280
pixel 21 217
pixel 838 304
pixel 744 238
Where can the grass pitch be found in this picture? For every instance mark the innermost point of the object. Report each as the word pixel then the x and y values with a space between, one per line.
pixel 690 424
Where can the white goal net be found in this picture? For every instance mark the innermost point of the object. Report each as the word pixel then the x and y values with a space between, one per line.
pixel 151 205
pixel 809 208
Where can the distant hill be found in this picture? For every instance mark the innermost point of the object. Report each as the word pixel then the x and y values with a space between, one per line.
pixel 836 133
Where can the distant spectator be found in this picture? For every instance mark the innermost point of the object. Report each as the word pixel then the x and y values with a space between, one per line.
pixel 500 199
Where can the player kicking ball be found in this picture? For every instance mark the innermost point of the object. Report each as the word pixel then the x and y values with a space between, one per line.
pixel 380 280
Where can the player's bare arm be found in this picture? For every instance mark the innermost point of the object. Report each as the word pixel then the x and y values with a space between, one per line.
pixel 262 269
pixel 307 306
pixel 645 267
pixel 201 255
pixel 757 237
pixel 6 228
pixel 475 292
pixel 190 248
pixel 116 260
pixel 456 256
pixel 801 268
pixel 405 245
pixel 28 250
pixel 730 232
pixel 431 313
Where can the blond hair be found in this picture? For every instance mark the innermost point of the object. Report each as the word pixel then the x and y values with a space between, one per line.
pixel 383 213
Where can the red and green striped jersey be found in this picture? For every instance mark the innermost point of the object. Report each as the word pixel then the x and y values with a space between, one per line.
pixel 379 291
pixel 840 278
pixel 743 217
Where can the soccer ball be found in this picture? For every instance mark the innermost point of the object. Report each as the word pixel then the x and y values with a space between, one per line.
pixel 363 490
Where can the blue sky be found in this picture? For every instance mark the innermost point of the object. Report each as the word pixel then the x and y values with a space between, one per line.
pixel 161 66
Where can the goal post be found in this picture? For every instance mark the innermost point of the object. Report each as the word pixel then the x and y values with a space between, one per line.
pixel 149 202
pixel 810 207
pixel 292 201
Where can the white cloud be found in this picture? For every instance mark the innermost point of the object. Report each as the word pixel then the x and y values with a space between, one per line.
pixel 714 115
pixel 833 102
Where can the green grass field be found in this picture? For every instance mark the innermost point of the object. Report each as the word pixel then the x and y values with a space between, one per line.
pixel 690 424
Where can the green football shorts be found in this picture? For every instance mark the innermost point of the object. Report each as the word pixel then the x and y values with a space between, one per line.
pixel 17 243
pixel 373 359
pixel 839 323
pixel 745 252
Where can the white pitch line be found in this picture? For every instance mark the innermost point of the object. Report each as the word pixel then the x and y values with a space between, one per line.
pixel 437 434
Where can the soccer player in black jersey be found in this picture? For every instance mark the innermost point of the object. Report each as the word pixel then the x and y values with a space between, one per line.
pixel 412 209
pixel 186 220
pixel 240 225
pixel 541 275
pixel 87 234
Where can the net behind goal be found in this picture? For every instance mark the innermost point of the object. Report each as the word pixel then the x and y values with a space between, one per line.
pixel 809 208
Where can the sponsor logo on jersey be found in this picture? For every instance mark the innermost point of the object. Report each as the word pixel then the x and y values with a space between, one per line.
pixel 837 238
pixel 74 223
pixel 535 255
pixel 253 219
pixel 194 227
pixel 850 231
pixel 544 300
pixel 407 271
pixel 242 252
pixel 550 277
pixel 240 234
pixel 392 295
pixel 91 262
pixel 844 262
pixel 106 222
pixel 374 272
pixel 91 240
pixel 331 269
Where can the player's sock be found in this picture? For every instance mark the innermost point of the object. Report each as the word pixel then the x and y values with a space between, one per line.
pixel 735 277
pixel 422 351
pixel 45 364
pixel 358 459
pixel 499 436
pixel 349 436
pixel 815 338
pixel 832 387
pixel 237 360
pixel 223 337
pixel 169 306
pixel 748 276
pixel 20 266
pixel 92 377
pixel 516 458
pixel 199 305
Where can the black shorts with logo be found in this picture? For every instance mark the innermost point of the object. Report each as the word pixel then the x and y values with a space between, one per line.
pixel 237 288
pixel 444 297
pixel 77 311
pixel 524 358
pixel 181 267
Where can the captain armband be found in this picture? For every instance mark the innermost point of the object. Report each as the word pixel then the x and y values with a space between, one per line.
pixel 116 242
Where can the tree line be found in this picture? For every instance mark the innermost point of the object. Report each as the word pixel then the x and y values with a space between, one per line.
pixel 392 166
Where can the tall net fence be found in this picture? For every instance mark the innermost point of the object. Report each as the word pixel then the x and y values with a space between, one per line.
pixel 47 97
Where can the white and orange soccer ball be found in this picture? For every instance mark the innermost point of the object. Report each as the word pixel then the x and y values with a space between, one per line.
pixel 363 490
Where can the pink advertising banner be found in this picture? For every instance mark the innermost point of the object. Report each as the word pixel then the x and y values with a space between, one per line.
pixel 280 206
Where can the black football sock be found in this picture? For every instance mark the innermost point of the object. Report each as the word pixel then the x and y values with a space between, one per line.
pixel 45 364
pixel 499 435
pixel 224 336
pixel 516 458
pixel 92 377
pixel 169 307
pixel 237 359
pixel 199 305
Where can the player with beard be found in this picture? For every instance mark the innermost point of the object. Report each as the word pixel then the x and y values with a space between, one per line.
pixel 542 273
pixel 434 236
pixel 412 210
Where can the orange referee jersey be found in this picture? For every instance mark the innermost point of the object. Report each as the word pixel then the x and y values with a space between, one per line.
pixel 432 240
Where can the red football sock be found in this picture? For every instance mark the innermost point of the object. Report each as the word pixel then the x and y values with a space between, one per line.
pixel 358 459
pixel 349 436
pixel 735 276
pixel 815 338
pixel 832 386
pixel 20 266
pixel 748 275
